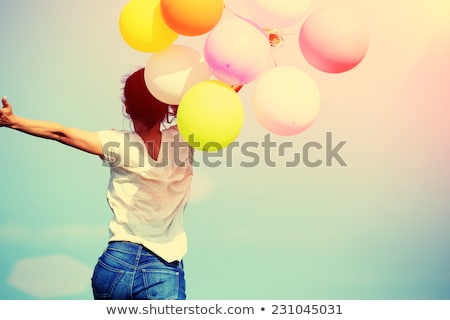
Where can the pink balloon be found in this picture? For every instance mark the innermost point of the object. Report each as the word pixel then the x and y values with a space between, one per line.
pixel 334 40
pixel 237 52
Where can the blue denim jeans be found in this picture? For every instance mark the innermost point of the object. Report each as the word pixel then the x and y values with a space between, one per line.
pixel 129 271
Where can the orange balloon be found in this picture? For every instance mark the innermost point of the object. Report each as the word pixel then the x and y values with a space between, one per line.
pixel 193 17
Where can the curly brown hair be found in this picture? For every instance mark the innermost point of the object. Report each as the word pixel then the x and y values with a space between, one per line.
pixel 140 104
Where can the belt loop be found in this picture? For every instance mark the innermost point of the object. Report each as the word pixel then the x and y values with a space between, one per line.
pixel 138 254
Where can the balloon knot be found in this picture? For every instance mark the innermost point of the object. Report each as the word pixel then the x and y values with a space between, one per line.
pixel 275 37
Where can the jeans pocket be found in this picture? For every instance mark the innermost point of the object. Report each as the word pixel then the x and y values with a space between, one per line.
pixel 164 284
pixel 105 280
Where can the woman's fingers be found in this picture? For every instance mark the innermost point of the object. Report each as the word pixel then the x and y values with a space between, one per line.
pixel 5 102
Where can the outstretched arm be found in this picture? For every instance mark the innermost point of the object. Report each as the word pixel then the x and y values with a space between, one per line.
pixel 84 140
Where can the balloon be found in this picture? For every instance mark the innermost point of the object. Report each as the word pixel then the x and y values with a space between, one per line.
pixel 143 28
pixel 286 101
pixel 210 115
pixel 333 40
pixel 237 52
pixel 237 88
pixel 171 72
pixel 278 13
pixel 193 17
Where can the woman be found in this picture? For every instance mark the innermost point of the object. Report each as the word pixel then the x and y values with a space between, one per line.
pixel 150 179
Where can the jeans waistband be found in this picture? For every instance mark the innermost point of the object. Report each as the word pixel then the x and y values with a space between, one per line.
pixel 136 248
pixel 129 247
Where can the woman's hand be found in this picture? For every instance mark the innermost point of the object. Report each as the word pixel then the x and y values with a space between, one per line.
pixel 80 139
pixel 6 114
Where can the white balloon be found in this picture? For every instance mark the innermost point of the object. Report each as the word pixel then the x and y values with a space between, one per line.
pixel 171 72
pixel 286 100
pixel 278 13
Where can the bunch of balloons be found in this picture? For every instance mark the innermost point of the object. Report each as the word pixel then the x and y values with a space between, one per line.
pixel 236 52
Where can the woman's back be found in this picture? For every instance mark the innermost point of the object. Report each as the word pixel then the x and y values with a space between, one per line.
pixel 148 197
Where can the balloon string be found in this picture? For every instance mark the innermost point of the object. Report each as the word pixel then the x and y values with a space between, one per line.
pixel 247 20
pixel 267 32
pixel 274 60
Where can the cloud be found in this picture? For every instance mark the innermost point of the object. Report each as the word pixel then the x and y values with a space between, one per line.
pixel 50 276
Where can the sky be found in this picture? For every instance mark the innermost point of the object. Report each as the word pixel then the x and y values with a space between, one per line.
pixel 377 228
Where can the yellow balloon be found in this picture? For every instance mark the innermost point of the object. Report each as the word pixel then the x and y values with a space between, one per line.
pixel 210 115
pixel 143 28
